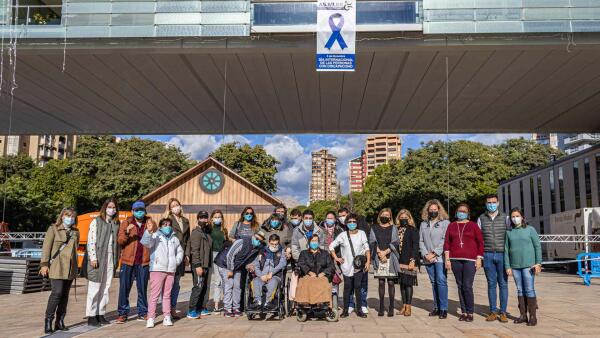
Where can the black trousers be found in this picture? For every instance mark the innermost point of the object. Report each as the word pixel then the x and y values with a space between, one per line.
pixel 353 284
pixel 59 298
pixel 199 290
pixel 464 272
pixel 406 290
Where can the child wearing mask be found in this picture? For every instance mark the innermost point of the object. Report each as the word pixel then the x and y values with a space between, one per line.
pixel 165 255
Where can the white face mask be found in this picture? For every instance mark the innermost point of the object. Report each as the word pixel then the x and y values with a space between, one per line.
pixel 111 211
pixel 342 219
pixel 517 220
pixel 273 248
pixel 176 210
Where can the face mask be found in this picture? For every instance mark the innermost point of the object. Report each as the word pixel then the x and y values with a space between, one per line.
pixel 352 226
pixel 314 245
pixel 433 214
pixel 274 223
pixel 255 242
pixel 462 215
pixel 308 222
pixel 517 220
pixel 139 214
pixel 273 248
pixel 385 219
pixel 217 221
pixel 68 221
pixel 330 222
pixel 166 230
pixel 176 210
pixel 342 219
pixel 491 207
pixel 295 222
pixel 111 211
pixel 248 217
pixel 403 222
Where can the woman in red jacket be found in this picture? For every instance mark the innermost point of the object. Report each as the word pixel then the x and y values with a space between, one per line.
pixel 463 246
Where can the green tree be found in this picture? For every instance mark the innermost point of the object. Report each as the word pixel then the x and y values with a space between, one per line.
pixel 21 165
pixel 251 162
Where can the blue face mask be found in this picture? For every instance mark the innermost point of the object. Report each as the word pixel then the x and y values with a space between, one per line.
pixel 308 222
pixel 248 217
pixel 352 226
pixel 295 222
pixel 491 207
pixel 330 222
pixel 217 221
pixel 314 245
pixel 68 221
pixel 139 214
pixel 255 242
pixel 167 230
pixel 274 223
pixel 462 215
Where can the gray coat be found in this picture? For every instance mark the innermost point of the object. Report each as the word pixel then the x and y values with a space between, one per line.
pixel 393 258
pixel 103 231
pixel 431 238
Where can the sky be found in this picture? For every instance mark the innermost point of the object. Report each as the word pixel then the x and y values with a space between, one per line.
pixel 293 151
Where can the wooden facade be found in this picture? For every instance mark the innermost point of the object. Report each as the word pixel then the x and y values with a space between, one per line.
pixel 233 196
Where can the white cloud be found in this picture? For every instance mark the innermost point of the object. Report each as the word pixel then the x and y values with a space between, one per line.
pixel 200 146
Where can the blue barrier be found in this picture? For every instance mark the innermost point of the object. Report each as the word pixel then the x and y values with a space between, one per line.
pixel 588 266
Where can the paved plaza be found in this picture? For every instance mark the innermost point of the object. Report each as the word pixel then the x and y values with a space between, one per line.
pixel 567 309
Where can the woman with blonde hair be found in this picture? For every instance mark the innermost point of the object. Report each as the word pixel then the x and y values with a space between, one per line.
pixel 59 263
pixel 181 229
pixel 408 248
pixel 383 240
pixel 431 246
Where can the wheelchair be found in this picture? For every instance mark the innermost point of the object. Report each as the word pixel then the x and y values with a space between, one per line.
pixel 328 310
pixel 279 298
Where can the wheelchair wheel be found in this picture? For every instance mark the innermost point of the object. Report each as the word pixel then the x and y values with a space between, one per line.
pixel 301 315
pixel 250 316
pixel 332 315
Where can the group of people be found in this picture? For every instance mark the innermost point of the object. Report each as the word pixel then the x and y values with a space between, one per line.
pixel 341 248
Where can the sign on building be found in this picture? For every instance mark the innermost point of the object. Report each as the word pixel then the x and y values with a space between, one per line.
pixel 336 35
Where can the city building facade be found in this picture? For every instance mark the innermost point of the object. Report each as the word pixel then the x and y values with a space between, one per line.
pixel 41 148
pixel 323 182
pixel 381 149
pixel 357 173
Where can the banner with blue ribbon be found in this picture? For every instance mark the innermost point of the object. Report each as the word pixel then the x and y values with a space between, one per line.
pixel 336 35
pixel 336 31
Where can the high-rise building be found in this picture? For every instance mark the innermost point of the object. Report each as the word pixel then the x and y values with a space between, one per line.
pixel 323 182
pixel 41 148
pixel 569 143
pixel 357 172
pixel 550 139
pixel 382 149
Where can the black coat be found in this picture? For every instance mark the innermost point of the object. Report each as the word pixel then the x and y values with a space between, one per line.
pixel 410 246
pixel 318 262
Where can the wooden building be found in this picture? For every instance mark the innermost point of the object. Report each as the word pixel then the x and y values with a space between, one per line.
pixel 210 185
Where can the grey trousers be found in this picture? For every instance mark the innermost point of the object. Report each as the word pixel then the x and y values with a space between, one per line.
pixel 272 286
pixel 232 290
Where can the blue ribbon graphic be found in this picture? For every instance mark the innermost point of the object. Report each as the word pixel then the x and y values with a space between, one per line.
pixel 336 30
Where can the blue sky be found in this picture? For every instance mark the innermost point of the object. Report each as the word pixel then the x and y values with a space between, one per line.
pixel 293 151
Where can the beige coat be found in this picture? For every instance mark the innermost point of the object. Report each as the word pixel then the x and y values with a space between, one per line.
pixel 64 265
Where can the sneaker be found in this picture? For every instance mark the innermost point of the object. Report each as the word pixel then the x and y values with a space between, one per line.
pixel 142 318
pixel 193 314
pixel 217 310
pixel 150 323
pixel 205 312
pixel 167 321
pixel 350 310
pixel 174 315
pixel 364 309
pixel 228 314
pixel 237 313
pixel 121 319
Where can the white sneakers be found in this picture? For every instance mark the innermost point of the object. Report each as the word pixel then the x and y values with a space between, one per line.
pixel 166 322
pixel 365 309
pixel 350 309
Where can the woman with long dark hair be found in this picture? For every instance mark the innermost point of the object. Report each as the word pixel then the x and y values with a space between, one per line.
pixel 181 230
pixel 59 263
pixel 246 226
pixel 103 256
pixel 219 239
pixel 408 238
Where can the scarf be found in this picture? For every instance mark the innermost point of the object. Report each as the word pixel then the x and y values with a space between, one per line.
pixel 401 231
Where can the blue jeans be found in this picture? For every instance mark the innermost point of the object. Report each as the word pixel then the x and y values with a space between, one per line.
pixel 363 292
pixel 126 276
pixel 175 292
pixel 524 279
pixel 493 265
pixel 439 285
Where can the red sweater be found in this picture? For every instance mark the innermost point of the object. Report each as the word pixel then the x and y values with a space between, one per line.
pixel 472 241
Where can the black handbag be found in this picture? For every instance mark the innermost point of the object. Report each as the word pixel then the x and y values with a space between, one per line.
pixel 359 261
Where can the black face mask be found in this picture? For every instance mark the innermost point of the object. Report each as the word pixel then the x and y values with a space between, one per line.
pixel 385 220
pixel 433 214
pixel 404 222
pixel 204 226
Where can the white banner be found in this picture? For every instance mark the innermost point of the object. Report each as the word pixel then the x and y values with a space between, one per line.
pixel 336 35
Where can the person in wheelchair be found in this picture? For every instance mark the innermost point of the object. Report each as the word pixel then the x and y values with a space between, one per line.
pixel 316 270
pixel 268 269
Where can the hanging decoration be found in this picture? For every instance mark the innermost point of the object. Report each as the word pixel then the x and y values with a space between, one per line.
pixel 336 35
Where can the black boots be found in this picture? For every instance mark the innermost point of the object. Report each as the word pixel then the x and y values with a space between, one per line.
pixel 532 308
pixel 48 325
pixel 93 321
pixel 102 320
pixel 522 310
pixel 60 323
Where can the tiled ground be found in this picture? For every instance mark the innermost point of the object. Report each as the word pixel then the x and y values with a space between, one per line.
pixel 567 309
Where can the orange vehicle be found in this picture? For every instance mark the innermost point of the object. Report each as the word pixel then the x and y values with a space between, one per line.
pixel 83 224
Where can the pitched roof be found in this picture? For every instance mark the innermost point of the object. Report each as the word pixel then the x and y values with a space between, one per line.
pixel 208 161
